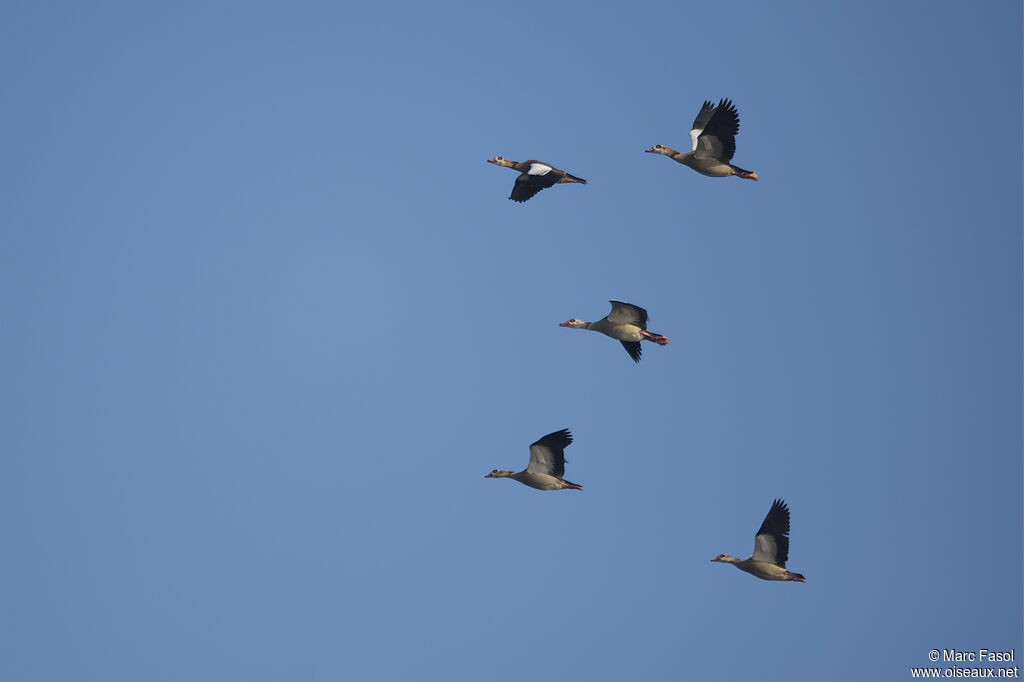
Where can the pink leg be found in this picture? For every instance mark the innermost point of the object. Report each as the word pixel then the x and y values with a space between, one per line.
pixel 747 175
pixel 656 338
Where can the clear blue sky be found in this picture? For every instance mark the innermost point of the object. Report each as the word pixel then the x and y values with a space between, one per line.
pixel 268 318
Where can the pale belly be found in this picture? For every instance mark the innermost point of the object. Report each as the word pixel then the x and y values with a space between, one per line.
pixel 625 333
pixel 709 167
pixel 762 570
pixel 539 481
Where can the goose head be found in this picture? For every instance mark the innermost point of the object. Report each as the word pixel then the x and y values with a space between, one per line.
pixel 661 149
pixel 726 559
pixel 501 161
pixel 499 473
pixel 574 323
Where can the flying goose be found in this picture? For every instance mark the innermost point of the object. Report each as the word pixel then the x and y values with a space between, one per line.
pixel 626 323
pixel 713 142
pixel 547 464
pixel 771 548
pixel 533 176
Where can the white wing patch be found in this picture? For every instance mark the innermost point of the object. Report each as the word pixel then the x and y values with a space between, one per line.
pixel 538 169
pixel 541 460
pixel 694 134
pixel 765 549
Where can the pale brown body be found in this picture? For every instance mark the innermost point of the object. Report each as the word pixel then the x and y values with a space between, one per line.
pixel 713 143
pixel 626 323
pixel 534 176
pixel 771 548
pixel 547 464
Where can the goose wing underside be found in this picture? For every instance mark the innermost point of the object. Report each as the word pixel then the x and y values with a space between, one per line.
pixel 528 185
pixel 627 313
pixel 771 543
pixel 547 455
pixel 699 123
pixel 718 138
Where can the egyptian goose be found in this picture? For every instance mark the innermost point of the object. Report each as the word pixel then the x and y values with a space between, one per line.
pixel 533 176
pixel 771 548
pixel 713 142
pixel 626 323
pixel 547 464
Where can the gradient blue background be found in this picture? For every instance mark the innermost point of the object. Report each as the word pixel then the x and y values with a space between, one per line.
pixel 268 318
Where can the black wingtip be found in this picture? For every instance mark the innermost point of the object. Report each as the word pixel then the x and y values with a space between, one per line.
pixel 634 349
pixel 560 438
pixel 777 519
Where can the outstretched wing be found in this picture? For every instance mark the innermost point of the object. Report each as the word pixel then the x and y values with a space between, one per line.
pixel 771 543
pixel 627 313
pixel 535 178
pixel 633 348
pixel 703 116
pixel 547 455
pixel 718 138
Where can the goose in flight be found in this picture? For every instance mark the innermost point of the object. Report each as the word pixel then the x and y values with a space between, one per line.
pixel 712 142
pixel 626 323
pixel 533 176
pixel 547 464
pixel 771 548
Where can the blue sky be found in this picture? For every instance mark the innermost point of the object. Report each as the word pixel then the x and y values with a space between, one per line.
pixel 269 318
